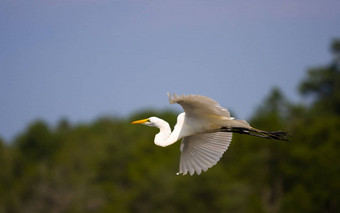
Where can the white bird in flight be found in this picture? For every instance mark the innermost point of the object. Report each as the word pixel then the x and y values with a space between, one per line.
pixel 206 129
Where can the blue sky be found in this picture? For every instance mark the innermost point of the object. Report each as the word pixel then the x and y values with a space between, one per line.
pixel 84 59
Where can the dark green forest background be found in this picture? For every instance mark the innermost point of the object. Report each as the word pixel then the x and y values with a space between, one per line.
pixel 111 166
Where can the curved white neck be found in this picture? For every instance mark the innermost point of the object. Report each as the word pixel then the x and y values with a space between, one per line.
pixel 165 137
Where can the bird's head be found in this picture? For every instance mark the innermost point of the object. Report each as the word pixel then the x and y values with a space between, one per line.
pixel 148 122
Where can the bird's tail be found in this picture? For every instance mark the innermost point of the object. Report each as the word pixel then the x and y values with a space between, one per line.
pixel 276 135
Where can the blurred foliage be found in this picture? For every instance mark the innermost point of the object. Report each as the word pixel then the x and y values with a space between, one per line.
pixel 111 166
pixel 323 83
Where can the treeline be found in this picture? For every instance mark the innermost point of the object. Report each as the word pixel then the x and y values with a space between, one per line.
pixel 111 166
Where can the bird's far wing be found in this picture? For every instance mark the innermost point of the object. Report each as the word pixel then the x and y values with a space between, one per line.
pixel 197 105
pixel 202 151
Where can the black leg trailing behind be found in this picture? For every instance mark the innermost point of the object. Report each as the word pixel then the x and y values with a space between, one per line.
pixel 276 135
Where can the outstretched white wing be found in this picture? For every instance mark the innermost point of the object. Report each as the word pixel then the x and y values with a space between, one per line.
pixel 197 105
pixel 202 151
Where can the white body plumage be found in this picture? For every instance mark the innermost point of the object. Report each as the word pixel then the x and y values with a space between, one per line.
pixel 202 145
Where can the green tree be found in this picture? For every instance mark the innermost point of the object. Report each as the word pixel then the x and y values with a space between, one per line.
pixel 323 83
pixel 313 170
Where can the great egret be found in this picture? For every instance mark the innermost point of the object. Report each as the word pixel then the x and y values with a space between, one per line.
pixel 206 129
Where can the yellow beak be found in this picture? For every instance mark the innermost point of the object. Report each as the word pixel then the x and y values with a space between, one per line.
pixel 140 121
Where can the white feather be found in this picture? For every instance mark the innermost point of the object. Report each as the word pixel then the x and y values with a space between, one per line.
pixel 202 151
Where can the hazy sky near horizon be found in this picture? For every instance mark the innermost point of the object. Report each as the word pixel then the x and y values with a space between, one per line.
pixel 81 59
